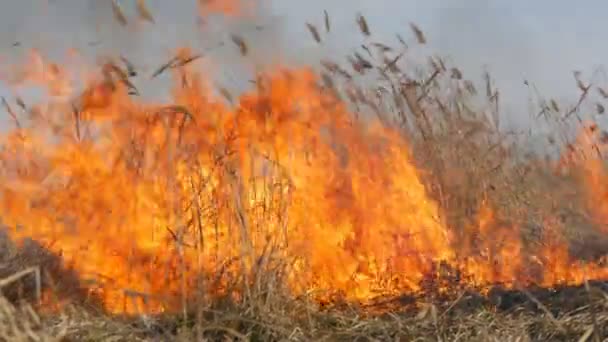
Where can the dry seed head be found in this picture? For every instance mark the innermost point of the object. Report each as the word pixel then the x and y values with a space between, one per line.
pixel 394 61
pixel 418 33
pixel 130 68
pixel 579 83
pixel 402 41
pixel 188 60
pixel 315 33
pixel 240 43
pixel 329 65
pixel 364 62
pixel 334 68
pixel 110 68
pixel 20 103
pixel 363 25
pixel 456 73
pixel 327 80
pixel 225 93
pixel 442 64
pixel 355 65
pixel 367 50
pixel 391 64
pixel 382 47
pixel 143 11
pixel 118 14
pixel 486 76
pixel 165 66
pixel 470 87
pixel 10 112
pixel 434 64
pixel 554 105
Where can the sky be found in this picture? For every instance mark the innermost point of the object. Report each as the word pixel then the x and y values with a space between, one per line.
pixel 541 41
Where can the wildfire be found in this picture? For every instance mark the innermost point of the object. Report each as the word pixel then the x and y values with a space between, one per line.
pixel 226 7
pixel 147 199
pixel 589 151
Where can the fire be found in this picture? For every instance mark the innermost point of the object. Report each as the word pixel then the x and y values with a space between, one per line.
pixel 157 202
pixel 588 156
pixel 498 258
pixel 557 268
pixel 226 7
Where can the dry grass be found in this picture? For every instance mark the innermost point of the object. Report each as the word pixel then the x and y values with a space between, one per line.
pixel 466 158
pixel 290 320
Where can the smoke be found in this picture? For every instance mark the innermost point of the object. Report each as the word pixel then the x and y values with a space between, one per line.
pixel 529 49
pixel 90 27
pixel 481 36
pixel 514 40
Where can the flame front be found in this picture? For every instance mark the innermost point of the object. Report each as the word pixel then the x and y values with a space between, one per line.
pixel 145 198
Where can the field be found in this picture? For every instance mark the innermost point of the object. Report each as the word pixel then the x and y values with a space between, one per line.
pixel 350 200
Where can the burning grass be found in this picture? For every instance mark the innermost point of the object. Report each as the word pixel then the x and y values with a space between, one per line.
pixel 315 207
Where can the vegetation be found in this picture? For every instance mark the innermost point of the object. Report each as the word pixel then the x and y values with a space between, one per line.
pixel 502 204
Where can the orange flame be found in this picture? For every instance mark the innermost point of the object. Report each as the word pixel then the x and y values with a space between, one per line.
pixel 557 265
pixel 226 7
pixel 498 258
pixel 587 156
pixel 144 198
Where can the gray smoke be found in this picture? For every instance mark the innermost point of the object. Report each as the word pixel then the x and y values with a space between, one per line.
pixel 514 40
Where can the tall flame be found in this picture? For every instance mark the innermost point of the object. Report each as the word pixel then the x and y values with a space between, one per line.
pixel 146 197
pixel 588 153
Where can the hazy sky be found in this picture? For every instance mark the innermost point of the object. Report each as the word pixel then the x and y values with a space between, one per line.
pixel 543 41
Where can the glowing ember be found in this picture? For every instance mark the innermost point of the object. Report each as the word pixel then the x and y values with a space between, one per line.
pixel 145 198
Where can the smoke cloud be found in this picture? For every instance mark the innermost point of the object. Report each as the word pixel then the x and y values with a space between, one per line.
pixel 514 40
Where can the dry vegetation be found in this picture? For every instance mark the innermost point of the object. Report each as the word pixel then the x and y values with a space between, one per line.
pixel 455 134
